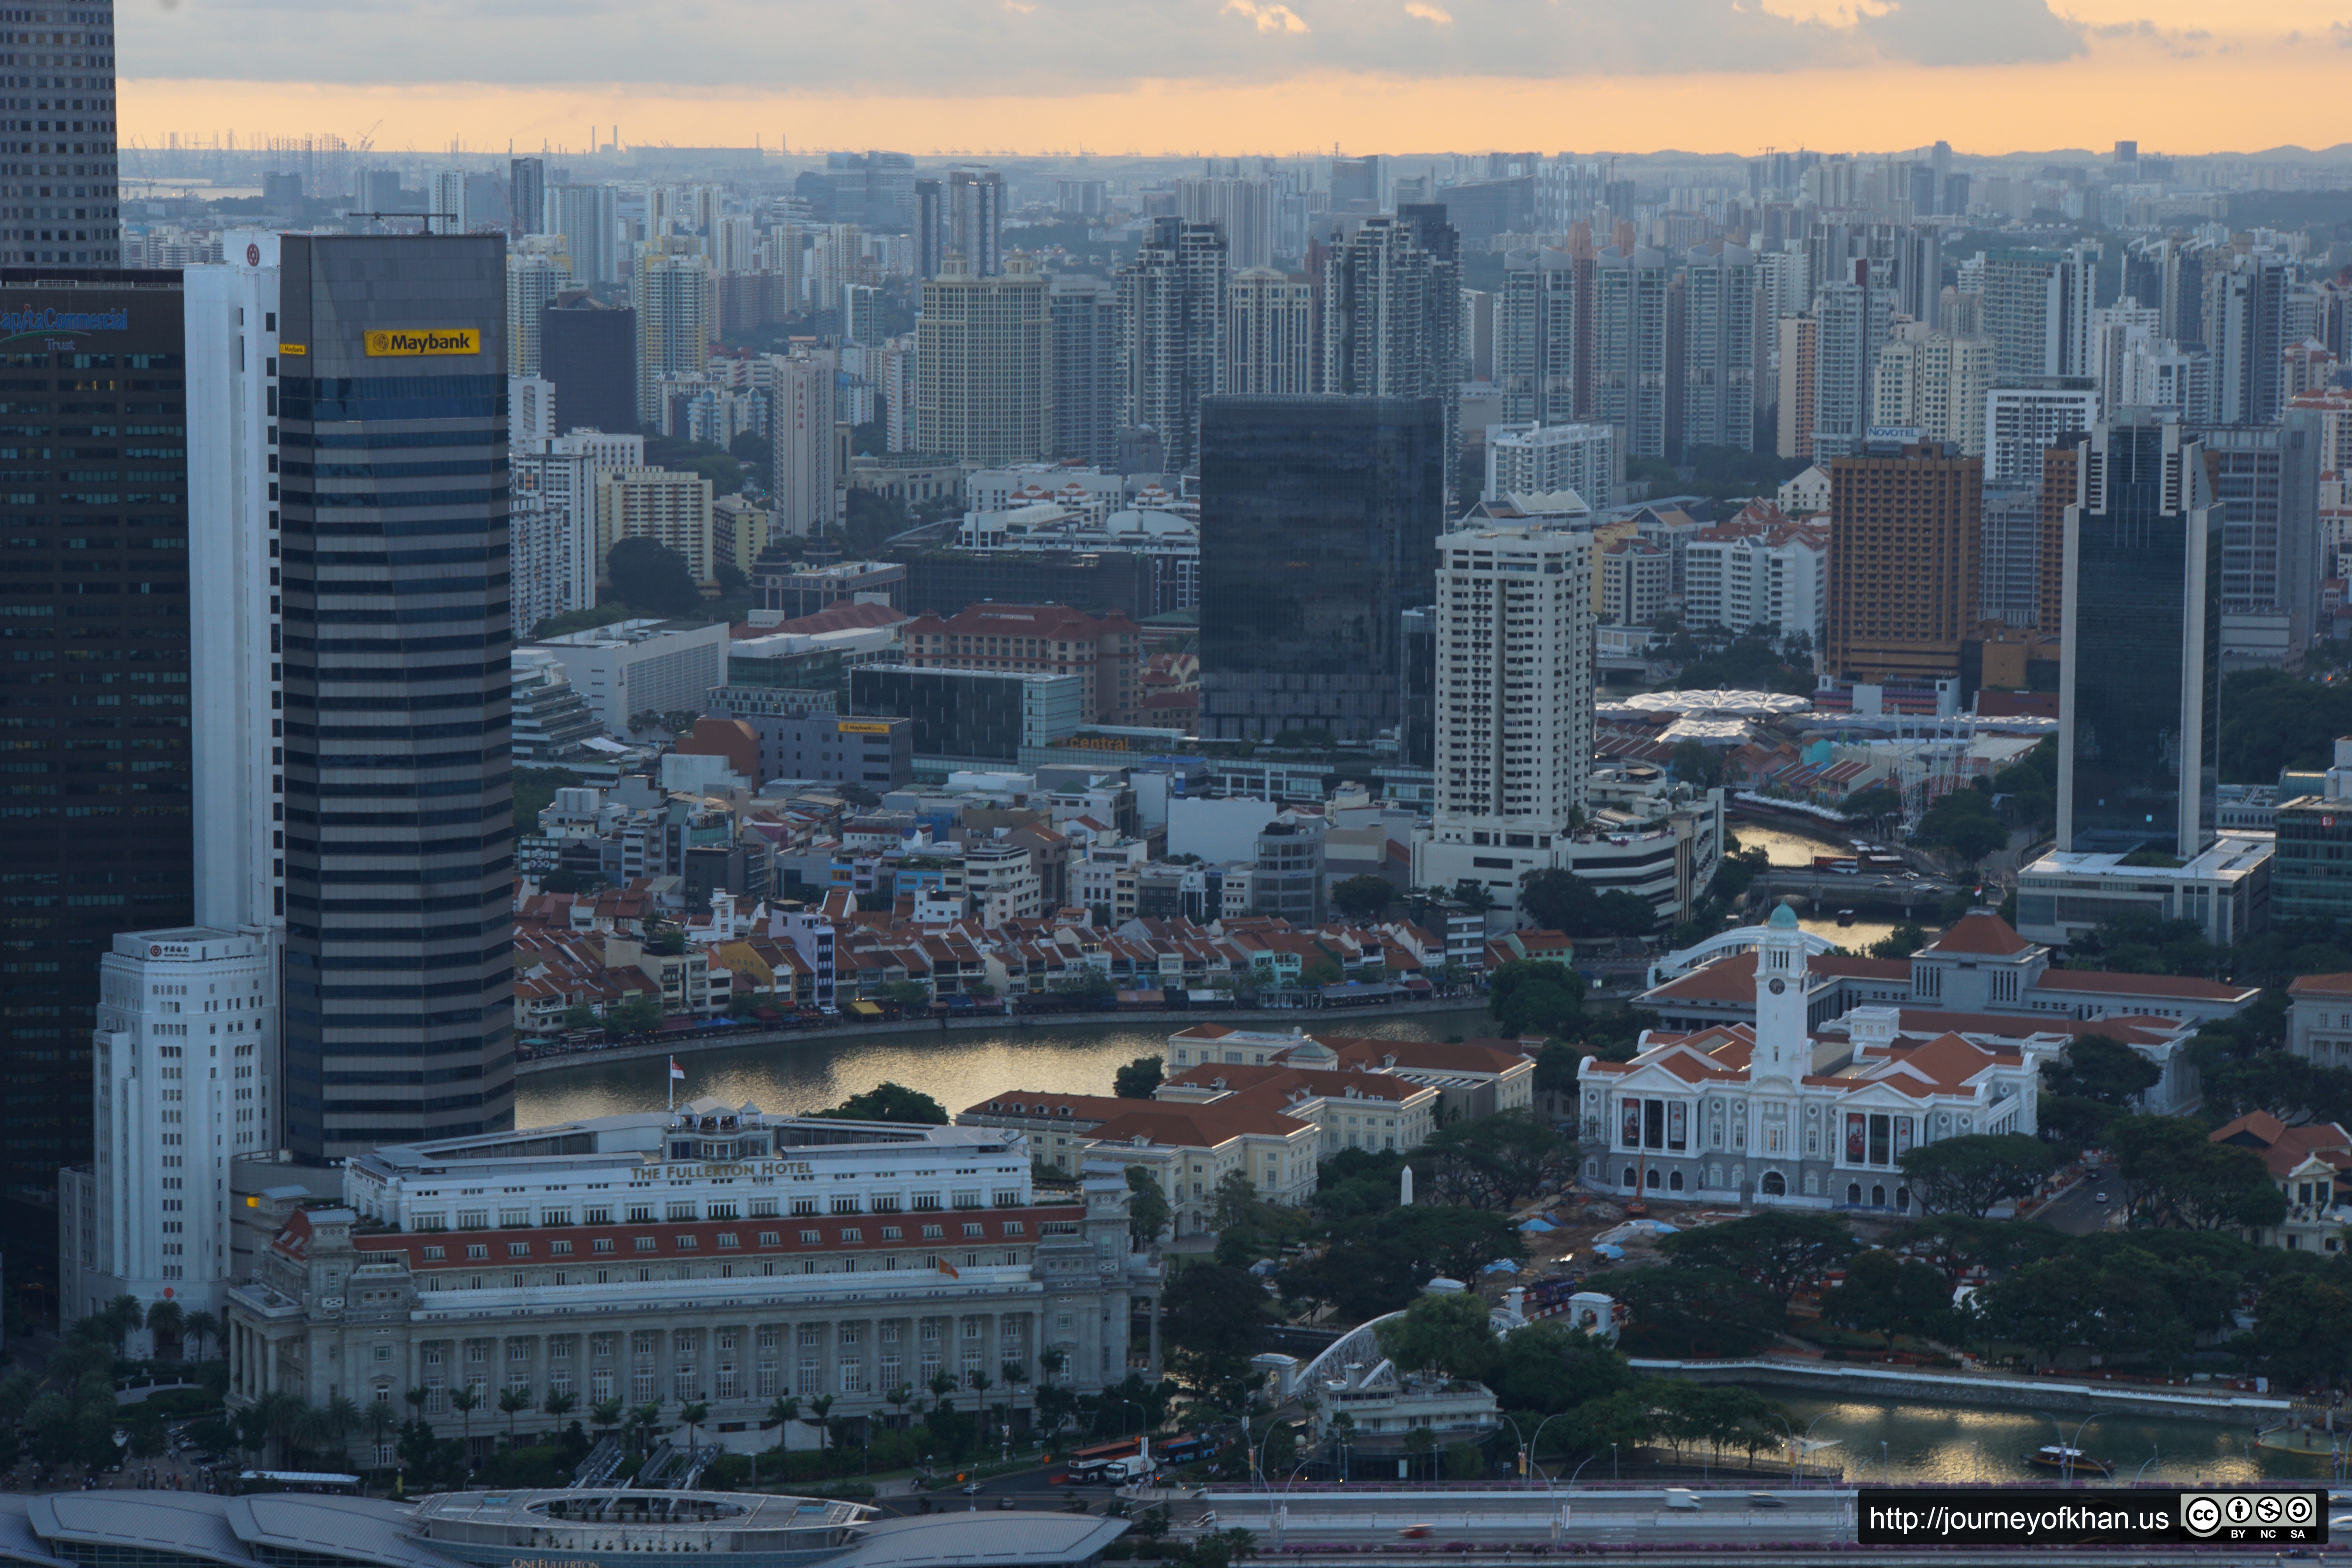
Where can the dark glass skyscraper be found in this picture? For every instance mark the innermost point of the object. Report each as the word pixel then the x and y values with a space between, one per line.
pixel 2138 743
pixel 589 352
pixel 56 136
pixel 1319 518
pixel 94 805
pixel 399 810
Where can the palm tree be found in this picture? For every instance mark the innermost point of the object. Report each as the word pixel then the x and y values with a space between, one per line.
pixel 644 1419
pixel 284 1416
pixel 380 1421
pixel 199 1327
pixel 941 1385
pixel 416 1398
pixel 342 1418
pixel 464 1401
pixel 122 1317
pixel 897 1398
pixel 167 1321
pixel 1014 1375
pixel 819 1409
pixel 513 1401
pixel 691 1415
pixel 785 1409
pixel 558 1406
pixel 980 1383
pixel 606 1414
pixel 1051 1362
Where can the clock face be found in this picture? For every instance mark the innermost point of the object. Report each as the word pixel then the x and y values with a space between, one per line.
pixel 1779 986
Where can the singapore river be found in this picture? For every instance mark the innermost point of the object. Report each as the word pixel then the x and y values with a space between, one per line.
pixel 1951 1443
pixel 957 1067
pixel 1791 846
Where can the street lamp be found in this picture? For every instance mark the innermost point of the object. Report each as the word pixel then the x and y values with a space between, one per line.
pixel 1527 1458
pixel 1796 1446
pixel 1131 1405
pixel 2066 1451
pixel 2143 1465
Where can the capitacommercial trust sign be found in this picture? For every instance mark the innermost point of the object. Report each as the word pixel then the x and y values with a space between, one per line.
pixel 20 323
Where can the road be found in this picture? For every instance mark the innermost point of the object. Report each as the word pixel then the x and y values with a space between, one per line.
pixel 1603 1518
pixel 2079 1211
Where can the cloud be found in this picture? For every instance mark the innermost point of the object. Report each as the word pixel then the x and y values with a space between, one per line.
pixel 1269 19
pixel 607 48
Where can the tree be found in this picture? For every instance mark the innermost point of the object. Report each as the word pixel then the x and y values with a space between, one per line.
pixel 1560 900
pixel 1690 1311
pixel 465 1400
pixel 1973 1174
pixel 907 996
pixel 167 1323
pixel 1781 1252
pixel 2272 720
pixel 2173 1175
pixel 1531 998
pixel 604 1415
pixel 1138 1078
pixel 819 1409
pixel 1549 1367
pixel 2303 1329
pixel 891 1102
pixel 1147 1212
pixel 2046 1305
pixel 1445 1331
pixel 1380 1262
pixel 691 1415
pixel 1884 1294
pixel 1212 1320
pixel 1362 899
pixel 1955 1244
pixel 1496 1161
pixel 635 1015
pixel 1963 822
pixel 2099 1069
pixel 199 1328
pixel 1875 802
pixel 513 1401
pixel 650 577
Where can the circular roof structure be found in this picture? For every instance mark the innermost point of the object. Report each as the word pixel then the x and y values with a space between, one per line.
pixel 1710 704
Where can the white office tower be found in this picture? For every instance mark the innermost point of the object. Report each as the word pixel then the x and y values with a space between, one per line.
pixel 531 413
pixel 1270 333
pixel 1529 460
pixel 672 294
pixel 1513 724
pixel 235 680
pixel 183 1065
pixel 2119 333
pixel 589 219
pixel 800 427
pixel 734 244
pixel 532 283
pixel 2026 417
pixel 452 212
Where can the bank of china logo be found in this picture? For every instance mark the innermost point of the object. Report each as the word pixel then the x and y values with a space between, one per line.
pixel 2206 1514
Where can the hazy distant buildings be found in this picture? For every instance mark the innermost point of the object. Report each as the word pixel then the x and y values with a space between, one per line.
pixel 527 195
pixel 962 211
pixel 672 296
pixel 2037 307
pixel 1242 207
pixel 1629 347
pixel 1718 350
pixel 1270 333
pixel 1319 522
pixel 589 219
pixel 533 283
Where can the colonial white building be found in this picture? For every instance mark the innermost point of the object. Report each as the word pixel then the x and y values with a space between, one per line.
pixel 711 1255
pixel 183 1066
pixel 1766 1112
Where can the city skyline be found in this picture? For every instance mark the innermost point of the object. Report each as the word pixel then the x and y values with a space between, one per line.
pixel 1193 77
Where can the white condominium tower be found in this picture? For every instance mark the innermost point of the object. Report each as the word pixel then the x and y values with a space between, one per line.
pixel 1513 728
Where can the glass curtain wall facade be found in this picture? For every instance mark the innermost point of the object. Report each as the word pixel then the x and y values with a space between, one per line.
pixel 399 807
pixel 1319 519
pixel 94 764
pixel 2139 742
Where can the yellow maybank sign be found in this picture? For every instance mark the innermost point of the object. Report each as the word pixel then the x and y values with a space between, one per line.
pixel 855 727
pixel 409 343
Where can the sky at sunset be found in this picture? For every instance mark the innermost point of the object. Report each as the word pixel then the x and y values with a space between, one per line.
pixel 1245 76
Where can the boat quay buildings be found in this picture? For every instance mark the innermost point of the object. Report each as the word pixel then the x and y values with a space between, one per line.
pixel 711 1255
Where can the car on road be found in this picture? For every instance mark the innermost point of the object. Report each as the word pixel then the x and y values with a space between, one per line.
pixel 1764 1499
pixel 2098 1198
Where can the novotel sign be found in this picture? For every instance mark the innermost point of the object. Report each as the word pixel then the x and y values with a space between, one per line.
pixel 13 322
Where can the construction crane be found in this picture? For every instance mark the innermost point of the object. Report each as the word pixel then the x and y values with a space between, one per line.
pixel 367 138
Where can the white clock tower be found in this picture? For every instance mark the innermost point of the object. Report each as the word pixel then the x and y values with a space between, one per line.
pixel 1783 1049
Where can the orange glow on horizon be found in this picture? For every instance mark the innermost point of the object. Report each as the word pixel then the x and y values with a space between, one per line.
pixel 2258 96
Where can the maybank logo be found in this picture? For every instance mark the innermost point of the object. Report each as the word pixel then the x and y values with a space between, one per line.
pixel 410 343
pixel 15 322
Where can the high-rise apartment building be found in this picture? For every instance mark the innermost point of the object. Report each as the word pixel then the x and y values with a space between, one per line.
pixel 2009 554
pixel 1536 460
pixel 1392 315
pixel 1843 346
pixel 1800 341
pixel 2037 307
pixel 1318 521
pixel 2138 721
pixel 398 847
pixel 984 364
pixel 968 213
pixel 1543 319
pixel 1628 346
pixel 2026 415
pixel 589 219
pixel 533 283
pixel 95 834
pixel 1241 207
pixel 1085 368
pixel 672 296
pixel 2266 479
pixel 588 351
pixel 670 508
pixel 1513 715
pixel 800 419
pixel 527 195
pixel 2245 333
pixel 1903 561
pixel 71 108
pixel 1270 333
pixel 1718 349
pixel 1172 301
